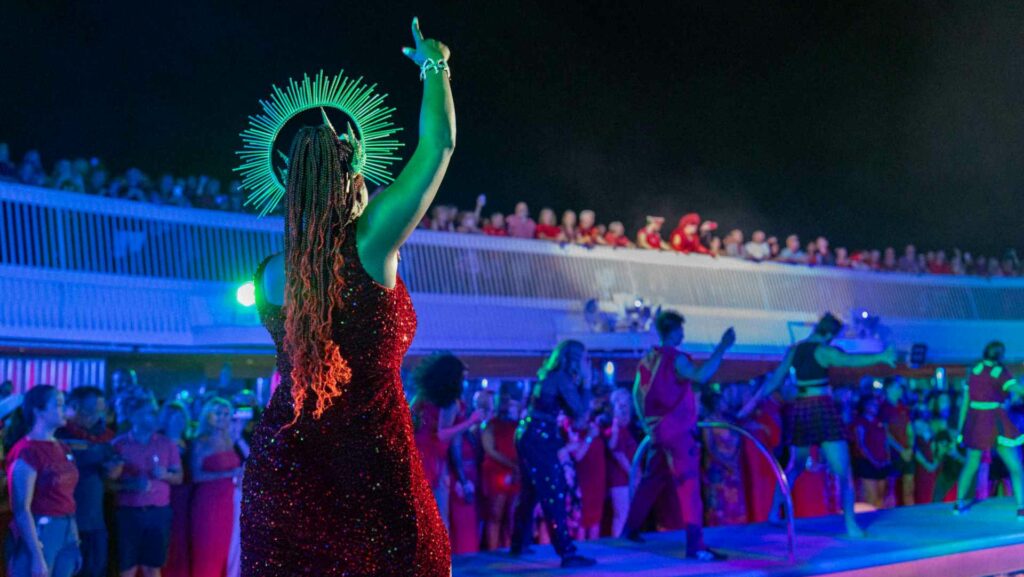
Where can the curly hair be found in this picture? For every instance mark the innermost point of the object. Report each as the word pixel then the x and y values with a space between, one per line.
pixel 438 379
pixel 319 203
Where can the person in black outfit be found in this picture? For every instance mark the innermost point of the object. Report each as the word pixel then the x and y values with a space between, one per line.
pixel 560 388
pixel 813 419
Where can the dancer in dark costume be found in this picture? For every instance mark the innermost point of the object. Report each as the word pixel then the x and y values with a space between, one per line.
pixel 560 388
pixel 334 485
pixel 813 418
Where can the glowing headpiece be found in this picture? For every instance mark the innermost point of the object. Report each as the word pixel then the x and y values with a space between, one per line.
pixel 373 151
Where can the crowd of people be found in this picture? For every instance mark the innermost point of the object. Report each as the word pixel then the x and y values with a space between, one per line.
pixel 92 176
pixel 156 487
pixel 903 442
pixel 144 487
pixel 694 235
pixel 691 235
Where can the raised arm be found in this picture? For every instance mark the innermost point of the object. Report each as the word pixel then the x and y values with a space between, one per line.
pixel 703 372
pixel 829 356
pixel 771 385
pixel 394 213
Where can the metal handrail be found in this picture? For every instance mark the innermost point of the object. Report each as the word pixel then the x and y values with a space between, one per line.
pixel 780 474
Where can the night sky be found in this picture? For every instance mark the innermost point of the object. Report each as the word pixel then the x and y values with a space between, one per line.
pixel 873 123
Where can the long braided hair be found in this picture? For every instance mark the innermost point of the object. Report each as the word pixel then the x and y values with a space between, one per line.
pixel 321 200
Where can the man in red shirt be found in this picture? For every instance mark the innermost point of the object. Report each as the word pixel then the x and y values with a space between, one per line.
pixel 666 403
pixel 152 464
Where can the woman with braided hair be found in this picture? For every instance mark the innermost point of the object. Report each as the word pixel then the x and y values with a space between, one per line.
pixel 334 485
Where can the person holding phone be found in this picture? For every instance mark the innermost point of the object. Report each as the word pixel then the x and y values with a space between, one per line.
pixel 152 464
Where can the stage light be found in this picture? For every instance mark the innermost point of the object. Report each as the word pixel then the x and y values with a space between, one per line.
pixel 864 314
pixel 940 377
pixel 609 373
pixel 246 294
pixel 483 383
pixel 877 384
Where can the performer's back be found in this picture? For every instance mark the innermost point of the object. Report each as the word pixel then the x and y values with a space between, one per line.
pixel 345 494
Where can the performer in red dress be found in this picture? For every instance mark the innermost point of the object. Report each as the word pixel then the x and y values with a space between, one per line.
pixel 985 424
pixel 766 426
pixel 464 458
pixel 590 471
pixel 216 467
pixel 621 449
pixel 435 410
pixel 666 401
pixel 334 485
pixel 686 237
pixel 500 471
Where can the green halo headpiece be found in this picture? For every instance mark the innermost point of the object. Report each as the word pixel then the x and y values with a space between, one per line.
pixel 373 151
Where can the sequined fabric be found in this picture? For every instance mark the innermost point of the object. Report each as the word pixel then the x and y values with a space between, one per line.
pixel 344 495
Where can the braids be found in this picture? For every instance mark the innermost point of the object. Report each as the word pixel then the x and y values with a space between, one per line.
pixel 320 199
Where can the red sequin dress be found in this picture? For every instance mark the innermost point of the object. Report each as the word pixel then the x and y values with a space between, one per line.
pixel 344 494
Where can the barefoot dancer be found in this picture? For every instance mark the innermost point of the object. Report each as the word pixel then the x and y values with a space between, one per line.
pixel 812 419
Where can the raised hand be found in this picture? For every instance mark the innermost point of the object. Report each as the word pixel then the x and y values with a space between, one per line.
pixel 728 338
pixel 425 47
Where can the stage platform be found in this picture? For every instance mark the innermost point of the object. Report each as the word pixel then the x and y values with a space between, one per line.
pixel 920 541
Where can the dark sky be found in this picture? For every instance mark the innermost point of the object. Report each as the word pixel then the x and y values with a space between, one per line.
pixel 871 122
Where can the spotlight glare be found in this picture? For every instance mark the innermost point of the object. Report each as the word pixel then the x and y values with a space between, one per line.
pixel 246 294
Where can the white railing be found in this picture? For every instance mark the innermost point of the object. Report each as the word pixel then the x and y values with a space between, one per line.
pixel 170 271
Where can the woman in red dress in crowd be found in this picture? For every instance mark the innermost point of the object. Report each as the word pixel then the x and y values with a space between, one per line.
pixel 985 424
pixel 649 236
pixel 621 448
pixel 686 237
pixel 765 424
pixel 871 464
pixel 334 451
pixel 216 468
pixel 926 461
pixel 174 424
pixel 465 455
pixel 435 409
pixel 500 470
pixel 616 236
pixel 592 475
pixel 547 228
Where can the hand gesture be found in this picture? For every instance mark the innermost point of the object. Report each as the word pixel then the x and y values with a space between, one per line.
pixel 728 338
pixel 425 47
pixel 481 201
